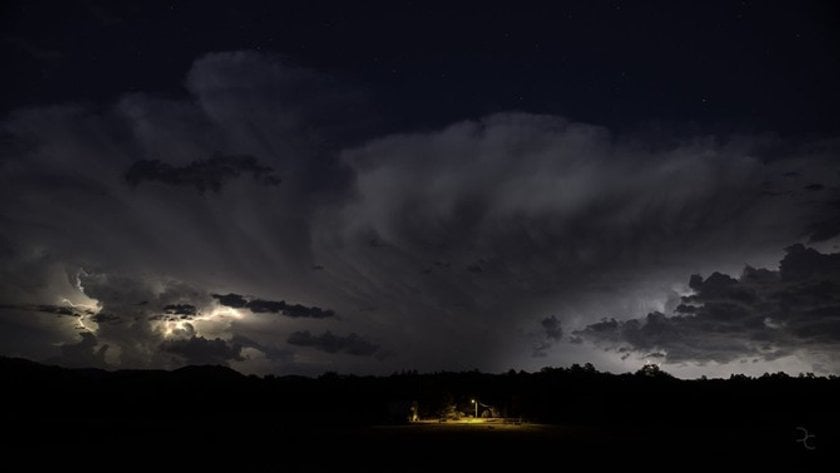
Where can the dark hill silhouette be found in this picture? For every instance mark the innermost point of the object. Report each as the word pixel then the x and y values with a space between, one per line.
pixel 215 405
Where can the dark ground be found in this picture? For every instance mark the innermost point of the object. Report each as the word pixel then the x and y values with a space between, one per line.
pixel 213 418
pixel 251 445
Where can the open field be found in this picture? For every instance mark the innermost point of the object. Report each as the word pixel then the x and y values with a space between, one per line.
pixel 251 445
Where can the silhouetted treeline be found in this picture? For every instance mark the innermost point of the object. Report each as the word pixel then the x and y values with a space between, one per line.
pixel 575 395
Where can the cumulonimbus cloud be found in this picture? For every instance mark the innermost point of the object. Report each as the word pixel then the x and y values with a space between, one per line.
pixel 460 237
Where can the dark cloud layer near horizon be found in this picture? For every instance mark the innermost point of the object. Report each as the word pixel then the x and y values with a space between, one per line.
pixel 764 314
pixel 481 243
pixel 351 344
pixel 201 351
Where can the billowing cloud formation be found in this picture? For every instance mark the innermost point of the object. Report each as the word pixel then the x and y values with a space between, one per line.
pixel 201 351
pixel 203 175
pixel 547 183
pixel 528 214
pixel 262 306
pixel 448 243
pixel 86 353
pixel 135 315
pixel 763 314
pixel 327 342
pixel 155 322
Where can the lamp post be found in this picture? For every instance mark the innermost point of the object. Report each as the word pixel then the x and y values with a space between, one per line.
pixel 476 407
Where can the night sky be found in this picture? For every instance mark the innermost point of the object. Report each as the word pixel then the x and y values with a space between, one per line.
pixel 327 186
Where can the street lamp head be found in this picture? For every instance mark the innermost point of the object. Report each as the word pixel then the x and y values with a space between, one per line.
pixel 472 401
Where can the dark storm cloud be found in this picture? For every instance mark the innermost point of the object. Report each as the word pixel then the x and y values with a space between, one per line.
pixel 131 309
pixel 201 351
pixel 86 353
pixel 297 310
pixel 351 344
pixel 207 174
pixel 552 333
pixel 552 328
pixel 271 351
pixel 262 306
pixel 231 300
pixel 68 170
pixel 762 314
pixel 50 309
pixel 823 199
pixel 134 297
pixel 105 318
pixel 826 227
pixel 462 237
pixel 180 309
pixel 530 193
pixel 567 217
